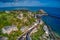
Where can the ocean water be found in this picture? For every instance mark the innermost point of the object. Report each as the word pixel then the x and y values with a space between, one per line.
pixel 54 23
pixel 53 20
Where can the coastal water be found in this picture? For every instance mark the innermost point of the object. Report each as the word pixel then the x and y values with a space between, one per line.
pixel 54 23
pixel 53 20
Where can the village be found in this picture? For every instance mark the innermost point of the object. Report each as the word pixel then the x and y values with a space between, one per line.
pixel 14 24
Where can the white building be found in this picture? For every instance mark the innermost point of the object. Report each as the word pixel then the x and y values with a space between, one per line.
pixel 46 30
pixel 9 29
pixel 30 13
pixel 41 22
pixel 3 38
pixel 23 28
pixel 20 16
pixel 7 11
pixel 42 11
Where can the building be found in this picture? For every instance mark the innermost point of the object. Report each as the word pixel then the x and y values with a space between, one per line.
pixel 3 38
pixel 7 11
pixel 30 13
pixel 46 30
pixel 9 29
pixel 42 11
pixel 20 16
pixel 24 28
pixel 41 22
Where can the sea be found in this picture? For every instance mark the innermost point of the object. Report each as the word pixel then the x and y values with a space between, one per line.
pixel 52 20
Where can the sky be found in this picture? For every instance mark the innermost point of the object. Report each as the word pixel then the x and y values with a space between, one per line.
pixel 34 3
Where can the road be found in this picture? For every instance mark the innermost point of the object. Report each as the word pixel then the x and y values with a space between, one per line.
pixel 29 30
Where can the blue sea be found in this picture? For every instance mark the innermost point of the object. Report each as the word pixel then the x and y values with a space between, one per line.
pixel 53 20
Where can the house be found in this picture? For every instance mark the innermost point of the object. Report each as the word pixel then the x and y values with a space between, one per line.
pixel 3 38
pixel 9 29
pixel 23 28
pixel 42 11
pixel 7 11
pixel 30 13
pixel 46 30
pixel 41 22
pixel 20 16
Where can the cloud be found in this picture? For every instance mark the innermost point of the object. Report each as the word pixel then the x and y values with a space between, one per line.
pixel 21 3
pixel 30 3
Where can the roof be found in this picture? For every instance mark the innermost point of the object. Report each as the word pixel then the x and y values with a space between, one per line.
pixel 3 38
pixel 8 29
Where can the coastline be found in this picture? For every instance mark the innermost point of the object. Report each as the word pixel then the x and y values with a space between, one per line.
pixel 50 29
pixel 53 33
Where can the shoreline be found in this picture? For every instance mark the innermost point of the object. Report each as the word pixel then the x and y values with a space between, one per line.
pixel 49 28
pixel 53 33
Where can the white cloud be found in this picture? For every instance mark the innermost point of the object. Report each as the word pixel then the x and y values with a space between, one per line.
pixel 30 3
pixel 22 3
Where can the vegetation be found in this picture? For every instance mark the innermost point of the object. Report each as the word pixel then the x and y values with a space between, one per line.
pixel 14 35
pixel 36 35
pixel 8 19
